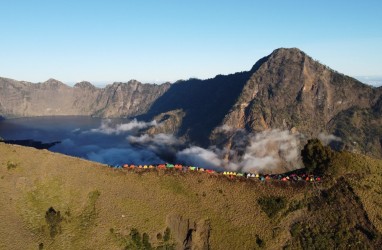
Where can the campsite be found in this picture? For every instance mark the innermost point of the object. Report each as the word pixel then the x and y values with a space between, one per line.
pixel 293 176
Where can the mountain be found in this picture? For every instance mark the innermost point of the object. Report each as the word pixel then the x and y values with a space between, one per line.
pixel 53 201
pixel 292 91
pixel 18 99
pixel 286 90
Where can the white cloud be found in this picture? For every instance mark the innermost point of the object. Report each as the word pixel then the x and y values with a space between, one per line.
pixel 263 151
pixel 133 126
pixel 326 139
pixel 200 157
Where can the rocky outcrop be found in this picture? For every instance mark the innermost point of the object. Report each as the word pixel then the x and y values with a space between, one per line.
pixel 168 122
pixel 192 235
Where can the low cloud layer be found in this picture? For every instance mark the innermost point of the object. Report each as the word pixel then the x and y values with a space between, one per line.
pixel 326 139
pixel 270 150
pixel 130 127
pixel 119 141
pixel 262 152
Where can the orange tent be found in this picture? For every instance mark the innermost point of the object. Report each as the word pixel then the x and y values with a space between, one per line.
pixel 161 166
pixel 178 166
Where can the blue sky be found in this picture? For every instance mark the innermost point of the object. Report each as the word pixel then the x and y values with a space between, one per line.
pixel 157 41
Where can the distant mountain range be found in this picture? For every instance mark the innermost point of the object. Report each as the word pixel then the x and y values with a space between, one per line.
pixel 371 80
pixel 285 90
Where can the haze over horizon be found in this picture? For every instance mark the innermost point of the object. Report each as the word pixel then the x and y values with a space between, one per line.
pixel 163 41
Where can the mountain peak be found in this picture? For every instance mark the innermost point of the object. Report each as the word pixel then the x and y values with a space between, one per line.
pixel 53 82
pixel 85 85
pixel 280 55
pixel 287 50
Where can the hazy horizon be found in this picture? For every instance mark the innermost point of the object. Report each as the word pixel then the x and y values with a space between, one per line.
pixel 375 81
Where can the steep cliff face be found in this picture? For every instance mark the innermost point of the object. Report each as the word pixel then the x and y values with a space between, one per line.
pixel 292 90
pixel 26 99
pixel 123 100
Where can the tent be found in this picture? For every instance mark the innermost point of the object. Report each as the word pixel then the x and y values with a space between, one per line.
pixel 178 166
pixel 161 166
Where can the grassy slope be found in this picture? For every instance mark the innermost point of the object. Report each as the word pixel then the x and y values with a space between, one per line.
pixel 100 205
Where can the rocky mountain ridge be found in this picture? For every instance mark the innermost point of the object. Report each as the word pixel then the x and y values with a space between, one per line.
pixel 52 97
pixel 285 90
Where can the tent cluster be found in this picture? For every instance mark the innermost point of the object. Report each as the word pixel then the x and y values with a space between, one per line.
pixel 262 177
pixel 285 177
pixel 165 166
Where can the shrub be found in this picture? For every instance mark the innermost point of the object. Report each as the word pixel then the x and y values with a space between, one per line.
pixel 259 242
pixel 159 236
pixel 136 238
pixel 316 157
pixel 146 241
pixel 53 218
pixel 167 234
pixel 272 205
pixel 11 165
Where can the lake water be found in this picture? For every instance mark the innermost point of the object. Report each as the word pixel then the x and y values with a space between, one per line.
pixel 105 141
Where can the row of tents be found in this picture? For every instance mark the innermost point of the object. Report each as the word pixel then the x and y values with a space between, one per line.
pixel 295 176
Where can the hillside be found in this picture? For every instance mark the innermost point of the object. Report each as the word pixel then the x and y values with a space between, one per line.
pixel 52 201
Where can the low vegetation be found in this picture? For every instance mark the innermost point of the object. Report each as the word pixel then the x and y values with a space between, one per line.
pixel 11 165
pixel 53 219
pixel 272 205
pixel 51 201
pixel 316 157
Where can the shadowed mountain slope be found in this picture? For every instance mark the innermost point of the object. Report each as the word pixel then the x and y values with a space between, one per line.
pixel 205 103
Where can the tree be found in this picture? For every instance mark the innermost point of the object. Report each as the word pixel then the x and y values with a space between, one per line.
pixel 316 157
